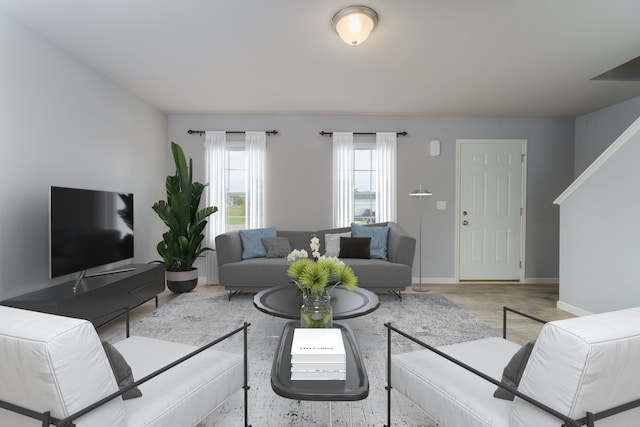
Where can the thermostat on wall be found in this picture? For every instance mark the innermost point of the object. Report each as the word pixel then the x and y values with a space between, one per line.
pixel 435 148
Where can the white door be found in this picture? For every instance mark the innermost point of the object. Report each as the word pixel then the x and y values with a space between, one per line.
pixel 491 178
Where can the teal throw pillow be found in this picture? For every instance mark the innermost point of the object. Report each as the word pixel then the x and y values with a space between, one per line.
pixel 252 246
pixel 378 248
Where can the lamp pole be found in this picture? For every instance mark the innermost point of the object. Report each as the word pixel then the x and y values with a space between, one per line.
pixel 420 193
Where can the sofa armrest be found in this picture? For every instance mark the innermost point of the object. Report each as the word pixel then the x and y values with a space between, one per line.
pixel 228 248
pixel 401 246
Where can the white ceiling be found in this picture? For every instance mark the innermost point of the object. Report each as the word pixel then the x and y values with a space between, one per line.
pixel 526 58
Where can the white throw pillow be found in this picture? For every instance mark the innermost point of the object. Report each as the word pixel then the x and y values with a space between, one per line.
pixel 332 243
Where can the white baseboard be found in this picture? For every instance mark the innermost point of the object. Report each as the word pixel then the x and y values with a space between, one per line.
pixel 542 280
pixel 434 280
pixel 452 280
pixel 572 309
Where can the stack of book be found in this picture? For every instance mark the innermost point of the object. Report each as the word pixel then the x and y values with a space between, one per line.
pixel 318 354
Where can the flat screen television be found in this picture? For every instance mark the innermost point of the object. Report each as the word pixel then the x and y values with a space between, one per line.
pixel 88 229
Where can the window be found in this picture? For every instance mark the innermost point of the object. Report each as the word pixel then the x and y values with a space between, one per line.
pixel 235 172
pixel 364 183
pixel 234 169
pixel 235 192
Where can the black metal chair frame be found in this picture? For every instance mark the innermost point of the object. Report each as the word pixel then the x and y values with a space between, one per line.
pixel 48 420
pixel 589 419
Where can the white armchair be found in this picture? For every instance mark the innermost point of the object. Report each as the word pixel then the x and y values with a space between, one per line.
pixel 54 371
pixel 580 371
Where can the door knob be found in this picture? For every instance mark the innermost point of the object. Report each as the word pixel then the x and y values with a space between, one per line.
pixel 465 213
pixel 465 222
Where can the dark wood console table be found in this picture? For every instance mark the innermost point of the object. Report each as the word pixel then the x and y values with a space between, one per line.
pixel 98 299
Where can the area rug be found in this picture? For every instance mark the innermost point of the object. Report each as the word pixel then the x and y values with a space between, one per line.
pixel 199 317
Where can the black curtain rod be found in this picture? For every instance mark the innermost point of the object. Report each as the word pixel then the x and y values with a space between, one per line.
pixel 269 132
pixel 323 133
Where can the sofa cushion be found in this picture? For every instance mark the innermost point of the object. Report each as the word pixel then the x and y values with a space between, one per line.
pixel 355 247
pixel 185 394
pixel 512 373
pixel 252 246
pixel 583 364
pixel 451 395
pixel 121 370
pixel 257 272
pixel 332 243
pixel 378 236
pixel 379 274
pixel 54 363
pixel 276 247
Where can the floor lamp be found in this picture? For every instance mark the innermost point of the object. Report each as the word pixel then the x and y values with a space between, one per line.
pixel 420 193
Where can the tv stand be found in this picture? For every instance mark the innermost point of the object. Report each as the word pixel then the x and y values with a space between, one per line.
pixel 98 298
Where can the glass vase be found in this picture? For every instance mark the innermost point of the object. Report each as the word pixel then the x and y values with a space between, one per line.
pixel 316 312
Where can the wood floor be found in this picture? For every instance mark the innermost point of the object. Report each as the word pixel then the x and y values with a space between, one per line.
pixel 485 301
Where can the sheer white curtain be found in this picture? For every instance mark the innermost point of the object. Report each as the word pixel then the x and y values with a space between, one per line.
pixel 386 197
pixel 342 179
pixel 255 146
pixel 215 143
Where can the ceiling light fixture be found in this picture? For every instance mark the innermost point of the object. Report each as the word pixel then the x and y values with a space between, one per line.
pixel 354 23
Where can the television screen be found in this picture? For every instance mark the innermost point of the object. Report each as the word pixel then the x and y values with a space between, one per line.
pixel 88 228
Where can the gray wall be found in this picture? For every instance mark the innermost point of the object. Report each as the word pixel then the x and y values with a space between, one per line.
pixel 600 249
pixel 64 124
pixel 599 239
pixel 299 174
pixel 596 131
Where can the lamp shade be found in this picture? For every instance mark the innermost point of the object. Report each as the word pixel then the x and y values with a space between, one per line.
pixel 354 23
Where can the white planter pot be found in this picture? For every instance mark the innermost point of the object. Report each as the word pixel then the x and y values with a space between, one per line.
pixel 182 281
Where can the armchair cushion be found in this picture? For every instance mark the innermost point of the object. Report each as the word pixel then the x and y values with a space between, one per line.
pixel 447 392
pixel 185 394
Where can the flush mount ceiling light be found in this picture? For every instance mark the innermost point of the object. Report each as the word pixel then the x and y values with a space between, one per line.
pixel 354 23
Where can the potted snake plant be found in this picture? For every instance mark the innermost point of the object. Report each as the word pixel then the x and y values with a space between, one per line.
pixel 181 245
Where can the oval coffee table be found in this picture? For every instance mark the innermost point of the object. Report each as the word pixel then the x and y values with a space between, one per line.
pixel 282 301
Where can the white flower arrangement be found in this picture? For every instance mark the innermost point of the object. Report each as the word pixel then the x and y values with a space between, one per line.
pixel 297 254
pixel 314 245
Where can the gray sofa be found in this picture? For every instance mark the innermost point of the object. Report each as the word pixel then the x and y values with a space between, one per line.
pixel 237 274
